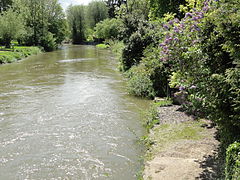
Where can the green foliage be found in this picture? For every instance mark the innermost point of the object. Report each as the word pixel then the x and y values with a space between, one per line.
pixel 220 32
pixel 159 7
pixel 202 53
pixel 165 102
pixel 5 4
pixel 134 32
pixel 107 29
pixel 97 11
pixel 41 17
pixel 150 77
pixel 103 46
pixel 113 5
pixel 139 82
pixel 48 42
pixel 82 20
pixel 152 117
pixel 116 46
pixel 19 52
pixel 223 100
pixel 11 26
pixel 233 162
pixel 77 23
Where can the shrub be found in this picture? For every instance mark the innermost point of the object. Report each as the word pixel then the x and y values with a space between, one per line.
pixel 18 53
pixel 108 29
pixel 48 42
pixel 223 100
pixel 139 82
pixel 233 162
pixel 133 51
pixel 134 35
pixel 6 59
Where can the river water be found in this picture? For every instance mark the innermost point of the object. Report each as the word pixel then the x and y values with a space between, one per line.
pixel 66 115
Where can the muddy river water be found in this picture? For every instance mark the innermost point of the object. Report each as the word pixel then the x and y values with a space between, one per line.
pixel 67 115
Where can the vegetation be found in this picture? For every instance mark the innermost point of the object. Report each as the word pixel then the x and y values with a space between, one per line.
pixel 187 50
pixel 12 27
pixel 32 23
pixel 19 52
pixel 82 20
pixel 233 161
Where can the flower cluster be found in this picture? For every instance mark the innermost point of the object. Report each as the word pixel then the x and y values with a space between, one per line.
pixel 182 34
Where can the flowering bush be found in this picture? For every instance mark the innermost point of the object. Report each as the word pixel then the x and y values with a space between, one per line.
pixel 203 50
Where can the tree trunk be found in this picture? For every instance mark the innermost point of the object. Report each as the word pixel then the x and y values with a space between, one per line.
pixel 8 43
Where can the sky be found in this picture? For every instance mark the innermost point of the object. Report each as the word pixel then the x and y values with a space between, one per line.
pixel 66 3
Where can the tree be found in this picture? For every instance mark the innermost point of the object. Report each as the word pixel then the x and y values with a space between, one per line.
pixel 159 7
pixel 108 29
pixel 44 19
pixel 77 23
pixel 12 26
pixel 97 11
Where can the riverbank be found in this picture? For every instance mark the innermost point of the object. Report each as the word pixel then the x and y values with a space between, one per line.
pixel 17 53
pixel 181 147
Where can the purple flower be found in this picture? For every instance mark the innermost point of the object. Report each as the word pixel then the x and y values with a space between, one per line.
pixel 205 3
pixel 176 39
pixel 176 20
pixel 181 88
pixel 170 22
pixel 197 28
pixel 162 44
pixel 165 48
pixel 176 29
pixel 188 14
pixel 166 26
pixel 182 25
pixel 195 18
pixel 200 14
pixel 167 41
pixel 205 8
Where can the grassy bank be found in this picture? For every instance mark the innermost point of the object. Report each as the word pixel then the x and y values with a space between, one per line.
pixel 17 53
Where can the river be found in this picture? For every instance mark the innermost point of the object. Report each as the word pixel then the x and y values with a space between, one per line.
pixel 66 115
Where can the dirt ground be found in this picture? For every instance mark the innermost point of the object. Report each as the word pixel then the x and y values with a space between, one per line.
pixel 184 158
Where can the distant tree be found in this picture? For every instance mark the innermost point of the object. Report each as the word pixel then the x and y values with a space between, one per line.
pixel 44 19
pixel 96 12
pixel 11 26
pixel 77 23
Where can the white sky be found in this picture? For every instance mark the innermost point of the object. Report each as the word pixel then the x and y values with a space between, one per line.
pixel 66 3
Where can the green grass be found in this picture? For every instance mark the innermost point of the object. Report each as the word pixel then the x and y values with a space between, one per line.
pixel 103 46
pixel 164 102
pixel 16 53
pixel 151 115
pixel 166 134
